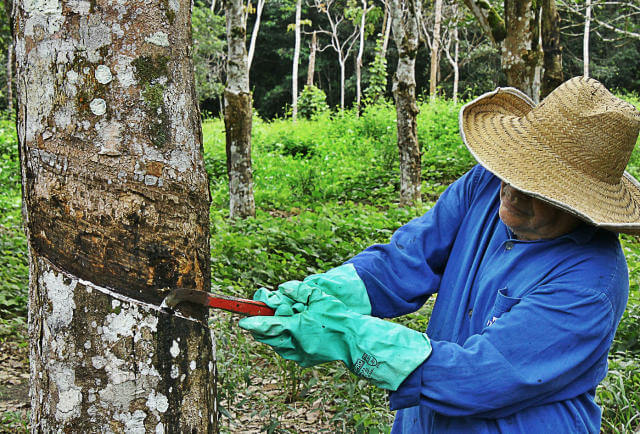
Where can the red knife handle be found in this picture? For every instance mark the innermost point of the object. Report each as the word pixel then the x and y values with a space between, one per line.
pixel 239 305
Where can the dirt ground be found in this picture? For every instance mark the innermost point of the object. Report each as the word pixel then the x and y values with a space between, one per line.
pixel 14 386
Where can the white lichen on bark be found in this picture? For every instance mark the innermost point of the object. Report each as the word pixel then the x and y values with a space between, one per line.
pixel 108 198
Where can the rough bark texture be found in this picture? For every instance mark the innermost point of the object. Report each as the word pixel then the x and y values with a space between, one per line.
pixel 237 114
pixel 116 208
pixel 521 50
pixel 552 65
pixel 406 22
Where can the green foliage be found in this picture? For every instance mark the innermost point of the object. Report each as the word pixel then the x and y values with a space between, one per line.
pixel 312 102
pixel 377 75
pixel 209 46
pixel 13 249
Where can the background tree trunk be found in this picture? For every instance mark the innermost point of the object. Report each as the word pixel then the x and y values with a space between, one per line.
pixel 585 39
pixel 312 59
pixel 435 51
pixel 551 47
pixel 521 52
pixel 115 205
pixel 454 60
pixel 406 25
pixel 254 33
pixel 10 78
pixel 386 26
pixel 296 61
pixel 237 114
pixel 363 21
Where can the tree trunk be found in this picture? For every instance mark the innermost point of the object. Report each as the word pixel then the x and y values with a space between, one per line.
pixel 585 39
pixel 435 51
pixel 312 59
pixel 115 205
pixel 296 61
pixel 406 19
pixel 521 52
pixel 454 61
pixel 386 25
pixel 237 115
pixel 363 21
pixel 342 81
pixel 551 47
pixel 254 33
pixel 10 78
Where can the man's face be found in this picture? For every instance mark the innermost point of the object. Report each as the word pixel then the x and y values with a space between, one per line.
pixel 530 218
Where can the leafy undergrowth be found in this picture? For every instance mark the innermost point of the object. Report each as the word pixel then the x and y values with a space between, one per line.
pixel 324 189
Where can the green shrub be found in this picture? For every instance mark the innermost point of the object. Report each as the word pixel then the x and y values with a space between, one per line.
pixel 311 102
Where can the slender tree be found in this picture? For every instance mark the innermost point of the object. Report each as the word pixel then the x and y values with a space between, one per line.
pixel 254 33
pixel 552 76
pixel 115 205
pixel 361 36
pixel 237 114
pixel 435 50
pixel 585 39
pixel 340 43
pixel 454 59
pixel 406 25
pixel 312 59
pixel 296 61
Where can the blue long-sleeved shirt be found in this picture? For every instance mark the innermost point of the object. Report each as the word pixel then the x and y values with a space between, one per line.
pixel 520 330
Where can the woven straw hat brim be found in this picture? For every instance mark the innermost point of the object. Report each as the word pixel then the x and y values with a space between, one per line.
pixel 495 130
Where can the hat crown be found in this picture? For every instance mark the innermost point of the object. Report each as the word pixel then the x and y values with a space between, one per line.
pixel 587 127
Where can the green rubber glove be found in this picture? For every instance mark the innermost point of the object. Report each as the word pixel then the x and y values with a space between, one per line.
pixel 341 282
pixel 326 330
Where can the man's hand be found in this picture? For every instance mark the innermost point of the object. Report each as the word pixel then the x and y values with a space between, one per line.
pixel 341 282
pixel 316 328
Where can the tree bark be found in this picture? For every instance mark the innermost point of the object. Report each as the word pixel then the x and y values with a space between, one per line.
pixel 551 47
pixel 406 24
pixel 435 51
pixel 312 59
pixel 386 25
pixel 363 21
pixel 454 61
pixel 254 33
pixel 237 115
pixel 585 39
pixel 115 205
pixel 522 52
pixel 10 78
pixel 296 61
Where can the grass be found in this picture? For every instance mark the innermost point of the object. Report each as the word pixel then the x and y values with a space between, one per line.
pixel 324 189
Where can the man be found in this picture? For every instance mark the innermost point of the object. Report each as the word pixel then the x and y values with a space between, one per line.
pixel 529 272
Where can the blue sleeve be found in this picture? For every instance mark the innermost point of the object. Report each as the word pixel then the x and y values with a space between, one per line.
pixel 401 275
pixel 550 346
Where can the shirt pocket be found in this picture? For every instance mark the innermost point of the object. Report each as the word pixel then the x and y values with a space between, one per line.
pixel 503 304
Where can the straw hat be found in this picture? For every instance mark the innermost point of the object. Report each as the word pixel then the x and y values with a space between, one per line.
pixel 571 150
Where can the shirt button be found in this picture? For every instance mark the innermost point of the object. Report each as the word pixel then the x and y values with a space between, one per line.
pixel 470 312
pixel 508 245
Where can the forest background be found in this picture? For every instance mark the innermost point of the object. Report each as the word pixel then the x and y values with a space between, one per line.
pixel 326 187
